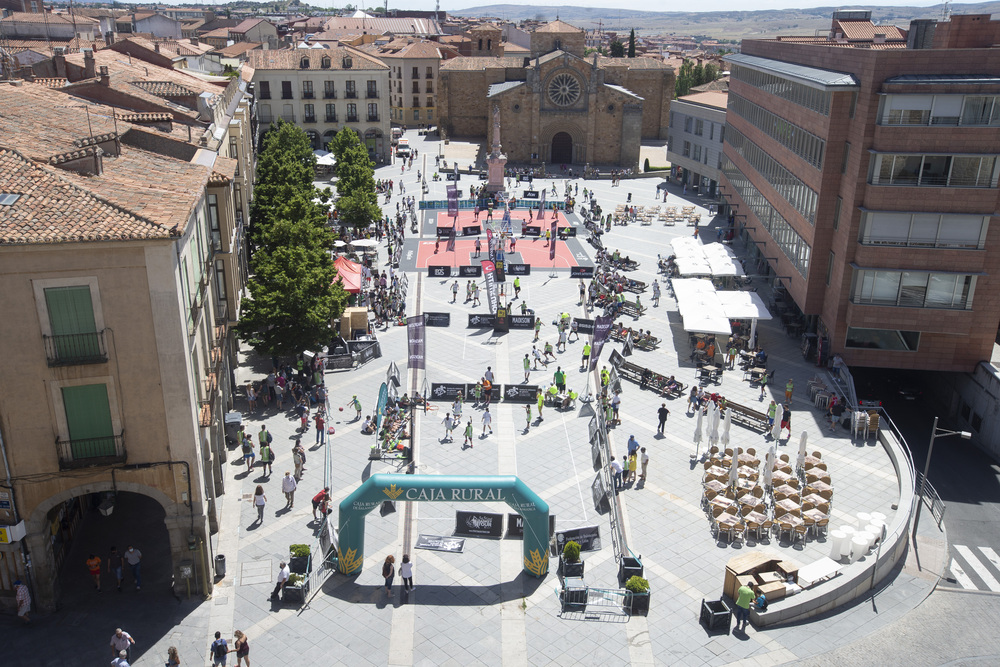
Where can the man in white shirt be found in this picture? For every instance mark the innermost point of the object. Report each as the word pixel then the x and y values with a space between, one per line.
pixel 448 426
pixel 489 373
pixel 616 473
pixel 283 573
pixel 121 644
pixel 487 421
pixel 288 486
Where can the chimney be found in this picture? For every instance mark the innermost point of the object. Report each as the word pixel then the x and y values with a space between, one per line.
pixel 105 77
pixel 880 38
pixel 194 40
pixel 156 47
pixel 59 60
pixel 109 38
pixel 89 71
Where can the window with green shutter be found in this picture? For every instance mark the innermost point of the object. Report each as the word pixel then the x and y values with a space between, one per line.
pixel 88 417
pixel 74 330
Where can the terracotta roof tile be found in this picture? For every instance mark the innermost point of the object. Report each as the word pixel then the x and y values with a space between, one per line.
pixel 238 49
pixel 51 209
pixel 558 26
pixel 292 59
pixel 475 63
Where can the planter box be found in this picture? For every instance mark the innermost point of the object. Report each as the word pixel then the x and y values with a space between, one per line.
pixel 570 569
pixel 295 593
pixel 637 604
pixel 629 567
pixel 716 616
pixel 574 596
pixel 299 564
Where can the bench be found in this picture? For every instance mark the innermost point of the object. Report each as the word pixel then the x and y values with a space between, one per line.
pixel 635 286
pixel 748 416
pixel 632 309
pixel 648 344
pixel 655 381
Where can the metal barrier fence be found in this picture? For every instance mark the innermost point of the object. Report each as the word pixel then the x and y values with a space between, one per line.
pixel 927 493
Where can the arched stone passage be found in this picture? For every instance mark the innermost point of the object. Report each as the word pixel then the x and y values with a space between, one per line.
pixel 562 148
pixel 443 488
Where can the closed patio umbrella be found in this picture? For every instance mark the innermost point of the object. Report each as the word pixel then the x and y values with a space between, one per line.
pixel 725 428
pixel 734 469
pixel 801 460
pixel 713 421
pixel 697 434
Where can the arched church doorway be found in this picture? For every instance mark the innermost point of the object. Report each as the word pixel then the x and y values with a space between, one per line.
pixel 562 148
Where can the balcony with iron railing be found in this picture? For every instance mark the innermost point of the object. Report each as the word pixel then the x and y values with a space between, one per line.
pixel 373 118
pixel 288 117
pixel 331 118
pixel 308 95
pixel 352 118
pixel 88 452
pixel 351 94
pixel 329 94
pixel 372 94
pixel 309 119
pixel 76 349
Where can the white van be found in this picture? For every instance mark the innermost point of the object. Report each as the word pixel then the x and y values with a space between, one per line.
pixel 403 148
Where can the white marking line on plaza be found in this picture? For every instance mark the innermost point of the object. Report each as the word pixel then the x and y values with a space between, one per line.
pixel 403 615
pixel 961 577
pixel 978 567
pixel 576 471
pixel 991 556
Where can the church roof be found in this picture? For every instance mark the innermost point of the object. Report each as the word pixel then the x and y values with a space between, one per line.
pixel 498 88
pixel 632 63
pixel 558 26
pixel 624 91
pixel 475 63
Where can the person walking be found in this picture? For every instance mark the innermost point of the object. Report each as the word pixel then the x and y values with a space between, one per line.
pixel 527 366
pixel 288 486
pixel 94 567
pixel 537 354
pixel 173 659
pixel 218 650
pixel 477 393
pixel 789 386
pixel 616 474
pixel 468 434
pixel 743 598
pixel 449 424
pixel 134 559
pixel 259 500
pixel 248 453
pixel 538 328
pixel 772 412
pixel 319 499
pixel 266 459
pixel 732 356
pixel 406 573
pixel 284 572
pixel 763 385
pixel 560 379
pixel 644 461
pixel 454 292
pixel 299 460
pixel 633 464
pixel 527 416
pixel 661 414
pixel 121 641
pixel 616 402
pixel 540 400
pixel 241 647
pixel 786 419
pixel 121 660
pixel 389 572
pixel 517 287
pixel 586 356
pixel 320 420
pixel 23 597
pixel 475 292
pixel 487 421
pixel 357 407
pixel 656 294
pixel 115 565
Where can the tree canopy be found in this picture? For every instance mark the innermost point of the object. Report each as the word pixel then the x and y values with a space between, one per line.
pixel 691 75
pixel 617 49
pixel 631 44
pixel 357 202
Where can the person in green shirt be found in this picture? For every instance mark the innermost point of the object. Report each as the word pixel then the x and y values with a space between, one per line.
pixel 763 384
pixel 477 393
pixel 357 406
pixel 743 598
pixel 527 416
pixel 468 434
pixel 517 288
pixel 541 402
pixel 538 327
pixel 559 378
pixel 772 410
pixel 266 458
pixel 586 356
pixel 605 376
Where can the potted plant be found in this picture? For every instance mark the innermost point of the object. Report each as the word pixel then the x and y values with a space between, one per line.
pixel 637 595
pixel 570 564
pixel 299 558
pixel 628 567
pixel 296 588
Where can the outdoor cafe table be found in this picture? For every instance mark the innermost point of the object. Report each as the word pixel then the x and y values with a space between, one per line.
pixel 787 490
pixel 721 501
pixel 812 461
pixel 789 505
pixel 717 471
pixel 819 487
pixel 749 460
pixel 814 499
pixel 747 471
pixel 715 485
pixel 779 477
pixel 814 514
pixel 744 484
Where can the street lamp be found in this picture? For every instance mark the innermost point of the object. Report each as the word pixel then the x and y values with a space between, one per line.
pixel 935 433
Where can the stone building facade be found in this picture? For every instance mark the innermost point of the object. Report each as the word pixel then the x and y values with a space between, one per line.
pixel 561 106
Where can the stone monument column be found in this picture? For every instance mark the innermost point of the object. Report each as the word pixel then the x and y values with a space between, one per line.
pixel 496 160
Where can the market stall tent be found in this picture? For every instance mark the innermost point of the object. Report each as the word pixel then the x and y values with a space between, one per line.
pixel 348 273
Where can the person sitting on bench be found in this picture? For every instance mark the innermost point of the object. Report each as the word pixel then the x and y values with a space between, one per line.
pixel 644 378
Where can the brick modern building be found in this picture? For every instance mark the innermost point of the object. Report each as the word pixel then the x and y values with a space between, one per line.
pixel 863 166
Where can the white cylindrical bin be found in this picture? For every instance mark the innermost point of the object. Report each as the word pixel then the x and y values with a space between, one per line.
pixel 859 547
pixel 876 528
pixel 864 518
pixel 837 540
pixel 868 537
pixel 879 516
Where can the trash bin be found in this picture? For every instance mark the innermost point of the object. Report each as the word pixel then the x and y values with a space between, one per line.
pixel 220 566
pixel 233 421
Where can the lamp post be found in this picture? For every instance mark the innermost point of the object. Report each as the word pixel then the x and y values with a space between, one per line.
pixel 935 433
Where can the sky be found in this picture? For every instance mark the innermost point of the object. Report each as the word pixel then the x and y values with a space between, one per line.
pixel 702 5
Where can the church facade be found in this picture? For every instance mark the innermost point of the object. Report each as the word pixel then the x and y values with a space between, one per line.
pixel 557 106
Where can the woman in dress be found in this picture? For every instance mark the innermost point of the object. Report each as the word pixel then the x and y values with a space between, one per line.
pixel 241 647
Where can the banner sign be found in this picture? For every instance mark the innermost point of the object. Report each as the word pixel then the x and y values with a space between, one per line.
pixel 383 400
pixel 489 277
pixel 443 232
pixel 438 271
pixel 595 452
pixel 627 348
pixel 515 525
pixel 522 321
pixel 588 537
pixel 455 545
pixel 416 341
pixel 452 176
pixel 584 326
pixel 470 271
pixel 520 393
pixel 447 391
pixel 471 230
pixel 437 319
pixel 501 323
pixel 599 493
pixel 480 322
pixel 554 232
pixel 491 248
pixel 483 176
pixel 392 373
pixel 453 199
pixel 602 327
pixel 581 272
pixel 541 204
pixel 616 359
pixel 531 230
pixel 478 523
pixel 519 269
pixel 529 194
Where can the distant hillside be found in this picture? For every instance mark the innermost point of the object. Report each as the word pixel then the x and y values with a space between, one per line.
pixel 718 25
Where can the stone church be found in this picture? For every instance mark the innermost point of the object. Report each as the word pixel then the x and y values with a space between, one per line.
pixel 556 106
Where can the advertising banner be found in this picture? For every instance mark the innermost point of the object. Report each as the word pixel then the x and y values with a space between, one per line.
pixel 602 327
pixel 581 272
pixel 416 342
pixel 515 525
pixel 554 231
pixel 453 201
pixel 588 537
pixel 383 400
pixel 519 269
pixel 470 271
pixel 438 271
pixel 484 524
pixel 451 237
pixel 489 277
pixel 584 327
pixel 437 319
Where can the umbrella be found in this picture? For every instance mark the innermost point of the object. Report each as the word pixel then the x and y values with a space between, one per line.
pixel 776 430
pixel 697 434
pixel 769 466
pixel 364 243
pixel 734 469
pixel 339 244
pixel 753 333
pixel 725 427
pixel 713 421
pixel 800 462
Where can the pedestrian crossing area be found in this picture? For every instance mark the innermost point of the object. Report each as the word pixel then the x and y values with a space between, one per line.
pixel 975 568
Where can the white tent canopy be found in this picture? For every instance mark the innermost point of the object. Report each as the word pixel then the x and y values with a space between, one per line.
pixel 705 310
pixel 743 305
pixel 695 259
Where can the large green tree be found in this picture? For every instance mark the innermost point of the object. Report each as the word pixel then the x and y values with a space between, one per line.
pixel 617 49
pixel 631 44
pixel 286 166
pixel 357 202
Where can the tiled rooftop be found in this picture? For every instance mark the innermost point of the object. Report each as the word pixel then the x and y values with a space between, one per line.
pixel 292 59
pixel 472 64
pixel 51 209
pixel 558 26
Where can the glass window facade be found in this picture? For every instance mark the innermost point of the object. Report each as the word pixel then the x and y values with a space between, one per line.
pixel 913 289
pixel 949 171
pixel 798 194
pixel 924 230
pixel 797 93
pixel 883 339
pixel 806 145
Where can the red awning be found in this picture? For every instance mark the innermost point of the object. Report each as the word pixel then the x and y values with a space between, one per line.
pixel 349 274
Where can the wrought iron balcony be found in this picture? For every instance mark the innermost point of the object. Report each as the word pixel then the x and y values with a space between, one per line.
pixel 90 452
pixel 76 349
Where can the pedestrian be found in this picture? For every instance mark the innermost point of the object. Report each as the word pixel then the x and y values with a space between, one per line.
pixel 517 287
pixel 248 453
pixel 121 641
pixel 583 293
pixel 633 445
pixel 527 366
pixel 259 500
pixel 284 572
pixel 477 393
pixel 389 572
pixel 406 573
pixel 763 384
pixel 732 356
pixel 538 328
pixel 656 294
pixel 448 426
pixel 320 420
pixel 616 403
pixel 743 598
pixel 120 660
pixel 264 436
pixel 560 379
pixel 468 434
pixel 561 345
pixel 319 499
pixel 487 421
pixel 241 646
pixel 454 292
pixel 786 419
pixel 357 407
pixel 288 486
pixel 633 462
pixel 479 247
pixel 772 411
pixel 537 354
pixel 527 416
pixel 586 356
pixel 173 660
pixel 616 474
pixel 23 597
pixel 644 460
pixel 266 459
pixel 540 399
pixel 94 568
pixel 218 651
pixel 788 390
pixel 134 559
pixel 299 460
pixel 662 413
pixel 475 293
pixel 487 391
pixel 488 375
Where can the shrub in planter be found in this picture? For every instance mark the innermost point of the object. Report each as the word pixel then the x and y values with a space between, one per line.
pixel 645 166
pixel 298 558
pixel 570 564
pixel 637 595
pixel 295 589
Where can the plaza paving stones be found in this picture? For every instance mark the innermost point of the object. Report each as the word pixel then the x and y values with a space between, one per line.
pixel 478 607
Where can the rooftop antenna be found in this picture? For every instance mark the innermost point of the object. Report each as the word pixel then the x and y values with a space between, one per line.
pixel 946 11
